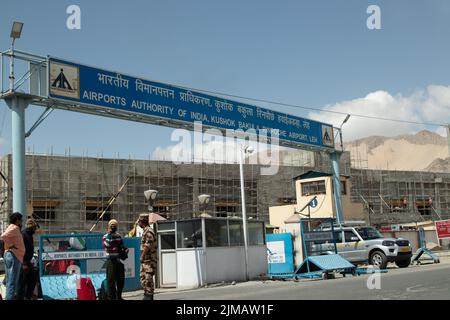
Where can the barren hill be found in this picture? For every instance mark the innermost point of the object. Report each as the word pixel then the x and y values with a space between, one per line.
pixel 423 151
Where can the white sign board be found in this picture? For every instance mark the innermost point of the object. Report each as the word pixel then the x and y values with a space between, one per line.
pixel 276 252
pixel 73 255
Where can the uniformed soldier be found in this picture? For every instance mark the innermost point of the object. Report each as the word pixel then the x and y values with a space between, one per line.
pixel 148 257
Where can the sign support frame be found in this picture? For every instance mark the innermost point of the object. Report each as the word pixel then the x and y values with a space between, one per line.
pixel 18 102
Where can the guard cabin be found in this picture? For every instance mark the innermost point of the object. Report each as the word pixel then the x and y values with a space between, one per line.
pixel 319 184
pixel 309 185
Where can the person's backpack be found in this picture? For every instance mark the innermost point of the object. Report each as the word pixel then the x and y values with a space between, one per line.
pixel 85 289
pixel 103 292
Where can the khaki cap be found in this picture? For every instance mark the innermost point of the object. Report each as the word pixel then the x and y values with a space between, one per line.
pixel 113 222
pixel 143 217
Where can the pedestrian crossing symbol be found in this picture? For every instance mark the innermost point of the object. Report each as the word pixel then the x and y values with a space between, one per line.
pixel 64 80
pixel 327 136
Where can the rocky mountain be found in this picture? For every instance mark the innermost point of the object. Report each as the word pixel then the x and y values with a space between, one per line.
pixel 439 165
pixel 423 151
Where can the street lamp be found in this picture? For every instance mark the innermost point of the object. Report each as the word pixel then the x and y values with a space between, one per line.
pixel 340 131
pixel 242 152
pixel 16 31
pixel 150 195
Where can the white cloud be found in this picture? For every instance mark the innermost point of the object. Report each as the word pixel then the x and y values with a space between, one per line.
pixel 441 131
pixel 431 106
pixel 213 151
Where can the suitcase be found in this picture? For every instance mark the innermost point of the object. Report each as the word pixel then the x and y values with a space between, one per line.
pixel 85 289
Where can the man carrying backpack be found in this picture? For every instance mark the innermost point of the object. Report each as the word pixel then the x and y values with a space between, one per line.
pixel 115 270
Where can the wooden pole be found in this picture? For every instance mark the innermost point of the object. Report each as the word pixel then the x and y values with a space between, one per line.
pixel 113 198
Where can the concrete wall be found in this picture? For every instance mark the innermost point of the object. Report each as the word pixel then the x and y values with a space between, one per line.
pixel 190 268
pixel 225 264
pixel 279 214
pixel 257 258
pixel 228 264
pixel 198 267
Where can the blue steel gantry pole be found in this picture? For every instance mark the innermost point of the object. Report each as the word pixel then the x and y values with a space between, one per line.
pixel 335 157
pixel 17 102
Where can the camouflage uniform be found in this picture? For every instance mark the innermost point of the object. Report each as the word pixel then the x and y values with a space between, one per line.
pixel 148 267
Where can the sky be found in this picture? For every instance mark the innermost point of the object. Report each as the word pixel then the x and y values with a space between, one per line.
pixel 310 53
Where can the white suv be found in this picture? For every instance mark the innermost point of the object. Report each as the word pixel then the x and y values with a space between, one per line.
pixel 364 244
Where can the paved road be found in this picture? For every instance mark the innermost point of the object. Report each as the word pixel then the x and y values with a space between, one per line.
pixel 430 281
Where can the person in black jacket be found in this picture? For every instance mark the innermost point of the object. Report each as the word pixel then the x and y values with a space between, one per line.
pixel 29 273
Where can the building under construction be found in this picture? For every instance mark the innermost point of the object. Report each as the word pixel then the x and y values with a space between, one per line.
pixel 68 193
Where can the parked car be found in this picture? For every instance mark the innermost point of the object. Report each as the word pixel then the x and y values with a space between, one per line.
pixel 365 244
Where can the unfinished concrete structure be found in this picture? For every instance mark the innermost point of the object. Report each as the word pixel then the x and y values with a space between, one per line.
pixel 67 193
pixel 401 196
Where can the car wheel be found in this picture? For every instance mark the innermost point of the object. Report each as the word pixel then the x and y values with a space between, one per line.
pixel 378 259
pixel 403 263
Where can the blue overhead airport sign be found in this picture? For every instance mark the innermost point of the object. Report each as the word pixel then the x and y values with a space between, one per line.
pixel 92 87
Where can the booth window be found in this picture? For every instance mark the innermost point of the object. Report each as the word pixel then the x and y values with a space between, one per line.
pixel 167 241
pixel 313 188
pixel 216 233
pixel 166 226
pixel 236 233
pixel 189 234
pixel 255 233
